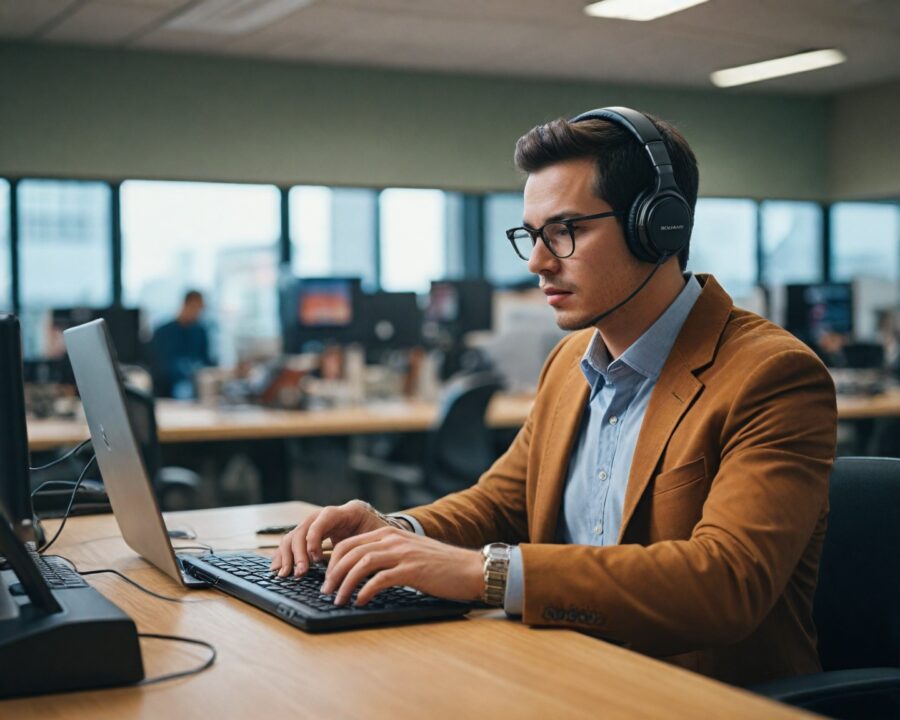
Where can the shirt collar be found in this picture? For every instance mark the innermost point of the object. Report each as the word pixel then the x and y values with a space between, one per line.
pixel 649 352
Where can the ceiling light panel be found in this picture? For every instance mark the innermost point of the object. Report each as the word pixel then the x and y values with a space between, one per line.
pixel 641 10
pixel 234 17
pixel 778 67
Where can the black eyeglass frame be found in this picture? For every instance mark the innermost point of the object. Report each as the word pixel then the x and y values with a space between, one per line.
pixel 539 232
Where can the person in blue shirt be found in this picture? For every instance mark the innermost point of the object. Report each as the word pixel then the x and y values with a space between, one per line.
pixel 180 348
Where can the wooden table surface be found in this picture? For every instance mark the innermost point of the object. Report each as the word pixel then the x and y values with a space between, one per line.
pixel 485 666
pixel 184 422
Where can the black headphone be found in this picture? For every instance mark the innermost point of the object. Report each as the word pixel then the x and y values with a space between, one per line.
pixel 658 224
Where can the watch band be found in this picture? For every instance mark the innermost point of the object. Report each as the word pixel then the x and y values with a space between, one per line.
pixel 396 522
pixel 496 570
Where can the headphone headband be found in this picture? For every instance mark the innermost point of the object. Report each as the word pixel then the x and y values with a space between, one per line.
pixel 660 219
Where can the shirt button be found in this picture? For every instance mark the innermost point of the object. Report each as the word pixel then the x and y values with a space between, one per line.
pixel 602 475
pixel 598 529
pixel 613 420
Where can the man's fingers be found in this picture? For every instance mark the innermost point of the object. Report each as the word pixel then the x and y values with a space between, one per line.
pixel 381 580
pixel 347 545
pixel 282 558
pixel 320 529
pixel 365 562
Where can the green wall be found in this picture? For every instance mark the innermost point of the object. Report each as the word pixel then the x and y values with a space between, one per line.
pixel 84 112
pixel 864 147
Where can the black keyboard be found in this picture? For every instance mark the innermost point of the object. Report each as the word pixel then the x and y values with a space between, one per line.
pixel 299 600
pixel 56 571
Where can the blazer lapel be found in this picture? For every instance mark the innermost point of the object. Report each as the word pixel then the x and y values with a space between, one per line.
pixel 559 438
pixel 676 388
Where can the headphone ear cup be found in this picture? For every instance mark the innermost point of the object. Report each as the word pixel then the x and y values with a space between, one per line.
pixel 632 231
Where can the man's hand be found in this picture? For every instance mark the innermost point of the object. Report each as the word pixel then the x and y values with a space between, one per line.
pixel 304 543
pixel 394 557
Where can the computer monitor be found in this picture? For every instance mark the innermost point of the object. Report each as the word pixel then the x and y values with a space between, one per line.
pixel 15 478
pixel 461 305
pixel 393 320
pixel 124 326
pixel 320 310
pixel 813 309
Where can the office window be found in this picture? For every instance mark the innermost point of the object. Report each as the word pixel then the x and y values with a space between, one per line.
pixel 5 259
pixel 502 265
pixel 333 232
pixel 421 238
pixel 865 241
pixel 221 239
pixel 723 243
pixel 65 246
pixel 791 235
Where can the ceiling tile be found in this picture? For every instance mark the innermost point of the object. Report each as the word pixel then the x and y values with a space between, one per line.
pixel 108 22
pixel 21 18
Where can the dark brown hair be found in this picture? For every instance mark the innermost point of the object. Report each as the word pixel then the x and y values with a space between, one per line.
pixel 623 167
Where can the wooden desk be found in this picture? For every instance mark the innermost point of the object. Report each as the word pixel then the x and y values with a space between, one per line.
pixel 485 667
pixel 184 422
pixel 862 407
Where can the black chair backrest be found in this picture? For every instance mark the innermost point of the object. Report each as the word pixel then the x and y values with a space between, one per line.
pixel 461 445
pixel 141 408
pixel 857 602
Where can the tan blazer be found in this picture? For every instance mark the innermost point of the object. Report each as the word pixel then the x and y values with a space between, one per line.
pixel 725 508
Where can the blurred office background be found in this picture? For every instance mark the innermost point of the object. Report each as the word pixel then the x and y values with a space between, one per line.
pixel 148 147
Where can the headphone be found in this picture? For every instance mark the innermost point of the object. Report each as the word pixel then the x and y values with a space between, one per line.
pixel 658 223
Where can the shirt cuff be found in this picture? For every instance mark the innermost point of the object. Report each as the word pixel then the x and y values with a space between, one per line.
pixel 513 600
pixel 416 525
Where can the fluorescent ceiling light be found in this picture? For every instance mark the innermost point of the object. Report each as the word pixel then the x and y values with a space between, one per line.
pixel 804 62
pixel 233 17
pixel 638 9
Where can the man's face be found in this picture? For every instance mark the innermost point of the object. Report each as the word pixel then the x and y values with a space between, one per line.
pixel 193 309
pixel 601 272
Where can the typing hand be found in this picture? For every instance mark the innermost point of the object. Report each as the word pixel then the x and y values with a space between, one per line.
pixel 303 545
pixel 395 557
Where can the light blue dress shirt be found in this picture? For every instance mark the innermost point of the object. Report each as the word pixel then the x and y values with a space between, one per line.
pixel 591 508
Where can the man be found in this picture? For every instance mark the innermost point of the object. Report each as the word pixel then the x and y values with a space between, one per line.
pixel 668 490
pixel 180 348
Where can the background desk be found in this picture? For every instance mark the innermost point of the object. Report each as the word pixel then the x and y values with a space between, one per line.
pixel 483 667
pixel 184 422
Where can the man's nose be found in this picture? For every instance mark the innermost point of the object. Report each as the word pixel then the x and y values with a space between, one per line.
pixel 542 260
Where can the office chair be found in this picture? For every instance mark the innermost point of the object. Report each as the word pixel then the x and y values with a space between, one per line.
pixel 857 602
pixel 459 448
pixel 176 487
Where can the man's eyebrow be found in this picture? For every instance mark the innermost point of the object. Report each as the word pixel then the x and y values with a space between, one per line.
pixel 563 215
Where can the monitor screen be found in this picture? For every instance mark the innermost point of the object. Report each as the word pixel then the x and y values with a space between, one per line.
pixel 325 303
pixel 443 303
pixel 124 326
pixel 816 309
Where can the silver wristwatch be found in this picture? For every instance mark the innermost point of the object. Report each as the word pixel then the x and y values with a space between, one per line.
pixel 496 570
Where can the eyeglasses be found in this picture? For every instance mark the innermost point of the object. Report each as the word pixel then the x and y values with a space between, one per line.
pixel 558 236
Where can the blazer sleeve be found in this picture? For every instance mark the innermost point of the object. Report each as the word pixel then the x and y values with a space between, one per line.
pixel 716 587
pixel 495 508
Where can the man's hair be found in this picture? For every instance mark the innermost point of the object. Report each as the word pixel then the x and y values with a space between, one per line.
pixel 193 295
pixel 623 168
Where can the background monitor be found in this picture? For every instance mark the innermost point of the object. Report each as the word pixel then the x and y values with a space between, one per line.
pixel 392 320
pixel 816 309
pixel 124 327
pixel 461 305
pixel 320 310
pixel 15 477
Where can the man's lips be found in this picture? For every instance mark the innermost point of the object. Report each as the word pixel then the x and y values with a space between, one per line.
pixel 555 295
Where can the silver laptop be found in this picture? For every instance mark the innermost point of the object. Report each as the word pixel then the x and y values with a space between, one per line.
pixel 125 476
